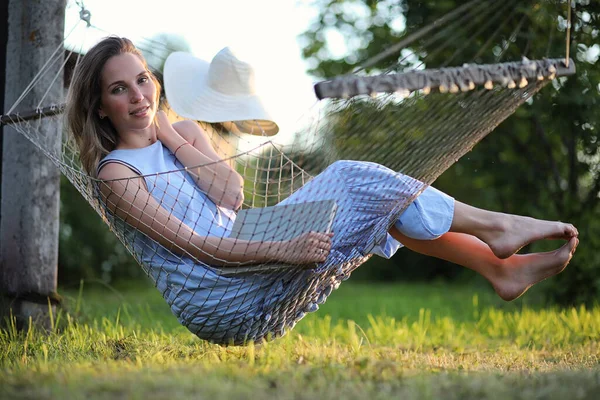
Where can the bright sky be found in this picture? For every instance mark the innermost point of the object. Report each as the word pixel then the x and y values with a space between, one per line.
pixel 262 32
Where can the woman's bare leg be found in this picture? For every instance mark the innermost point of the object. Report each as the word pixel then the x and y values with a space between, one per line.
pixel 510 277
pixel 505 234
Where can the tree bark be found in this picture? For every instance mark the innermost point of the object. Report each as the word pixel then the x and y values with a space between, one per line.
pixel 30 182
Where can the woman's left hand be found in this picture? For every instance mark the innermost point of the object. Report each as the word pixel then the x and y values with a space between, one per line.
pixel 310 247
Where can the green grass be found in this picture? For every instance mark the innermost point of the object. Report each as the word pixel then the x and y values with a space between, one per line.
pixel 387 341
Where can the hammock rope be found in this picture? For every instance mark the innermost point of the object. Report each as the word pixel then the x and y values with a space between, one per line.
pixel 413 119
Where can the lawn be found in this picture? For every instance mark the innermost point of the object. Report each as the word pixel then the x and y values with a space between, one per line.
pixel 409 341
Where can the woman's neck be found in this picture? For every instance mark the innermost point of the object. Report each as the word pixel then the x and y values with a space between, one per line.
pixel 137 139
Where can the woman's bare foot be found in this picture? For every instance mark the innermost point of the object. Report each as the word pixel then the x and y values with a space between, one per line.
pixel 521 271
pixel 514 232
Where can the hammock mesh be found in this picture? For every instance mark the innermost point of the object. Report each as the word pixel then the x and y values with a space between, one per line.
pixel 414 121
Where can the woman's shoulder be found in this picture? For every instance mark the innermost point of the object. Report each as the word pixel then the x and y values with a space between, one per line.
pixel 139 160
pixel 113 169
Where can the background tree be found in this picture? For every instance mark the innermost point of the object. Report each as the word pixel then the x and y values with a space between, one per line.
pixel 542 161
pixel 157 48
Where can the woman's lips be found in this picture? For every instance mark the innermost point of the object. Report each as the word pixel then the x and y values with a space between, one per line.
pixel 140 112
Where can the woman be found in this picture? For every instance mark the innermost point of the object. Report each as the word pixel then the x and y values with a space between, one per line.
pixel 130 147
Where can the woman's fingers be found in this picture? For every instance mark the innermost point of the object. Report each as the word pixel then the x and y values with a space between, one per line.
pixel 165 129
pixel 310 247
pixel 319 237
pixel 163 121
pixel 320 245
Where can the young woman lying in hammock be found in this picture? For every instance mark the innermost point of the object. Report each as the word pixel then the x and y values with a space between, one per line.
pixel 112 112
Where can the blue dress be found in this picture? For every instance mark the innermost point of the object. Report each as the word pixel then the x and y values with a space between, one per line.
pixel 232 310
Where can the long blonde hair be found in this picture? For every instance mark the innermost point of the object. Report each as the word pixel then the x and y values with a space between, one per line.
pixel 96 137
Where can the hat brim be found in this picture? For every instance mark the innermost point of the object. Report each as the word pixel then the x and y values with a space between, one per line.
pixel 186 87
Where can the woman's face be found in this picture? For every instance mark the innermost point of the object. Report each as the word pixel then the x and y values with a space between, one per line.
pixel 128 93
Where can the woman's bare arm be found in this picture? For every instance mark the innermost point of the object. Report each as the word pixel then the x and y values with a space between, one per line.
pixel 128 198
pixel 215 177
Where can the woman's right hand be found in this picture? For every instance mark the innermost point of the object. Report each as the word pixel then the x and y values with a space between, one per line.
pixel 166 133
pixel 310 247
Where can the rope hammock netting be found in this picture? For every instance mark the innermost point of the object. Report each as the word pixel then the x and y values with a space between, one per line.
pixel 399 109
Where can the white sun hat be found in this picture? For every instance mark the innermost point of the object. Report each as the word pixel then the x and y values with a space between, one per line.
pixel 221 91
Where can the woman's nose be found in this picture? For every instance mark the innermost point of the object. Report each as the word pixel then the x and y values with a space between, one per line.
pixel 136 95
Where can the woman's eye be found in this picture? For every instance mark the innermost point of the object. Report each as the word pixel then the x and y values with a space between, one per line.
pixel 143 79
pixel 118 90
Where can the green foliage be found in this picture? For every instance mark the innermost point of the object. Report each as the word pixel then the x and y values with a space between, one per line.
pixel 543 161
pixel 156 49
pixel 87 248
pixel 432 342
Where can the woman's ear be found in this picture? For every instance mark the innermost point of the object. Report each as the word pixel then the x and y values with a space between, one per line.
pixel 101 114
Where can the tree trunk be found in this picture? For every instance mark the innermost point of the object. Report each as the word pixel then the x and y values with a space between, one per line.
pixel 30 182
pixel 3 43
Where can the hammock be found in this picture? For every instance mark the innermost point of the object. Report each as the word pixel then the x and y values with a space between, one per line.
pixel 403 114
